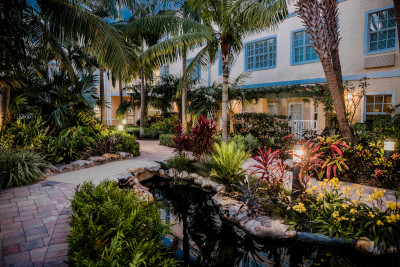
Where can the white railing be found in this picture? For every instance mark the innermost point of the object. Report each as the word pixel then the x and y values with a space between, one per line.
pixel 299 126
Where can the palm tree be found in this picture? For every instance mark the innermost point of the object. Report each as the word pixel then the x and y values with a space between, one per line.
pixel 321 21
pixel 48 24
pixel 224 24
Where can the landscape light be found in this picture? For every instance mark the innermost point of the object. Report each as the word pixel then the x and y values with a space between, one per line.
pixel 389 147
pixel 123 121
pixel 120 127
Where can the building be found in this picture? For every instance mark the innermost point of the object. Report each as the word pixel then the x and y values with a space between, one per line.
pixel 368 48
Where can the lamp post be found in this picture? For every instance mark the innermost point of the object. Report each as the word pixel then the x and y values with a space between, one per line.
pixel 389 145
pixel 124 123
pixel 296 183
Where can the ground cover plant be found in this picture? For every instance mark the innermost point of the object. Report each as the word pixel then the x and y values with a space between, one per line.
pixel 112 227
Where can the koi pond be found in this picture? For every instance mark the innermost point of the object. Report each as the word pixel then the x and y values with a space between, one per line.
pixel 200 238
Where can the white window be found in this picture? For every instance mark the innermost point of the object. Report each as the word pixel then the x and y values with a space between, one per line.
pixel 164 70
pixel 377 104
pixel 272 108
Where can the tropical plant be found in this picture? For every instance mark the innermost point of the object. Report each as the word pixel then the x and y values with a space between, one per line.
pixel 113 227
pixel 20 167
pixel 224 23
pixel 249 195
pixel 35 31
pixel 321 21
pixel 181 163
pixel 202 137
pixel 225 163
pixel 182 142
pixel 167 140
pixel 271 171
pixel 249 142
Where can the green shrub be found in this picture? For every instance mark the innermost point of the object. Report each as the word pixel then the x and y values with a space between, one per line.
pixel 114 141
pixel 225 163
pixel 263 126
pixel 26 134
pixel 167 140
pixel 71 144
pixel 20 167
pixel 181 163
pixel 111 227
pixel 249 142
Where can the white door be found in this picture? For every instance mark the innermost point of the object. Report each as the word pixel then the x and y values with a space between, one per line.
pixel 296 111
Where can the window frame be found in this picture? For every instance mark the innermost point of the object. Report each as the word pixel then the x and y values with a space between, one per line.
pixel 198 70
pixel 246 69
pixel 292 55
pixel 364 103
pixel 367 33
pixel 163 67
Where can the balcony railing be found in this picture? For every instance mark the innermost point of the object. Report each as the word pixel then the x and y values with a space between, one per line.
pixel 300 126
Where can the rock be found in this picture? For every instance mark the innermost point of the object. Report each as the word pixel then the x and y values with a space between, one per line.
pixel 173 173
pixel 122 178
pixel 229 208
pixel 48 172
pixel 366 245
pixel 219 188
pixel 65 168
pixel 80 164
pixel 145 175
pixel 199 180
pixel 97 159
pixel 154 167
pixel 124 155
pixel 142 193
pixel 137 171
pixel 193 175
pixel 184 175
pixel 265 227
pixel 162 173
pixel 110 156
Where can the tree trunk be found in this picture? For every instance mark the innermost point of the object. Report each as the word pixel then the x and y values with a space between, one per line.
pixel 184 94
pixel 120 92
pixel 102 99
pixel 397 14
pixel 142 103
pixel 5 101
pixel 225 85
pixel 337 98
pixel 338 69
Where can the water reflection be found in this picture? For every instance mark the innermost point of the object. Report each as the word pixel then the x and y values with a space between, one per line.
pixel 200 238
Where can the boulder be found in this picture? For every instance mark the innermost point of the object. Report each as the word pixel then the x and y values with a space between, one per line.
pixel 64 168
pixel 173 173
pixel 265 227
pixel 137 171
pixel 123 177
pixel 154 167
pixel 80 164
pixel 366 245
pixel 110 156
pixel 184 175
pixel 162 173
pixel 142 193
pixel 145 175
pixel 97 160
pixel 230 209
pixel 124 155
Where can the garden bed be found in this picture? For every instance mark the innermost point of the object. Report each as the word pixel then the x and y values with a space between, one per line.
pixel 235 211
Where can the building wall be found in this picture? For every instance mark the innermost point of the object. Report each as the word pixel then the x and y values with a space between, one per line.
pixel 352 21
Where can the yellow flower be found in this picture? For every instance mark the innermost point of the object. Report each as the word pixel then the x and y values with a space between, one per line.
pixel 314 188
pixel 335 214
pixel 300 208
pixel 360 192
pixel 345 206
pixel 392 205
pixel 347 191
pixel 344 218
pixel 356 186
pixel 353 219
pixel 371 214
pixel 353 211
pixel 379 223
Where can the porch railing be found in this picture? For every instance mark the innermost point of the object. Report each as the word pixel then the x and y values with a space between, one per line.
pixel 299 126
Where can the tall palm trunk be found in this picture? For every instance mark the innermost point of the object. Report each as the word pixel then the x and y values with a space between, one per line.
pixel 397 14
pixel 225 85
pixel 337 98
pixel 5 101
pixel 142 103
pixel 184 94
pixel 102 98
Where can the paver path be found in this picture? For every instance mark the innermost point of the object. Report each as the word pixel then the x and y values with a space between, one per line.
pixel 150 151
pixel 34 219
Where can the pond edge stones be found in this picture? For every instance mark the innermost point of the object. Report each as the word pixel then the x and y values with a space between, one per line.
pixel 236 211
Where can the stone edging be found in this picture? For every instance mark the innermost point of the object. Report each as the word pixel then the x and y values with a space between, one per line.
pixel 235 211
pixel 83 164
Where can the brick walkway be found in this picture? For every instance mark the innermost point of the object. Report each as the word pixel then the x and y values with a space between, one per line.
pixel 34 224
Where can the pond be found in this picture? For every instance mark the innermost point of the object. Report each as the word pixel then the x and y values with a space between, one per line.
pixel 200 238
